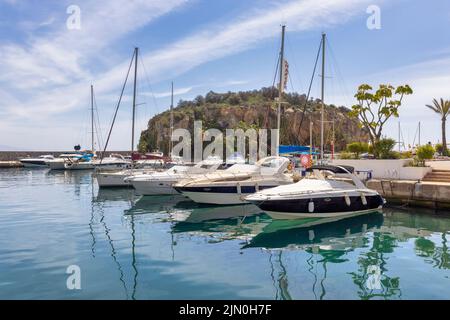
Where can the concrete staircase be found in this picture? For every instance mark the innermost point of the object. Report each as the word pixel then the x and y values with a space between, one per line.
pixel 438 176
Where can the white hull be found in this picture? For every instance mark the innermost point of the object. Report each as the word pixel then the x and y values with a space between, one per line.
pixel 79 166
pixel 302 215
pixel 150 188
pixel 113 180
pixel 112 167
pixel 56 165
pixel 216 198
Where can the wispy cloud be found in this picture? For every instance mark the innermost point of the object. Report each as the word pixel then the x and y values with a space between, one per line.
pixel 47 74
pixel 176 92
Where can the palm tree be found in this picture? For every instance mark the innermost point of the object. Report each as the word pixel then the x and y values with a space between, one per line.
pixel 442 107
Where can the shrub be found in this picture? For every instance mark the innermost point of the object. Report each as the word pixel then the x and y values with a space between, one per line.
pixel 383 149
pixel 439 148
pixel 424 152
pixel 346 155
pixel 357 148
pixel 406 155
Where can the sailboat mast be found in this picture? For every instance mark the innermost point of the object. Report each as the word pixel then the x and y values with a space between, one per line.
pixel 171 121
pixel 322 97
pixel 419 133
pixel 280 88
pixel 136 52
pixel 92 118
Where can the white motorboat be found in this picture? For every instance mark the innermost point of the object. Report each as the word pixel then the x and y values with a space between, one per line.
pixel 330 191
pixel 40 162
pixel 85 162
pixel 114 162
pixel 58 163
pixel 232 185
pixel 117 179
pixel 158 183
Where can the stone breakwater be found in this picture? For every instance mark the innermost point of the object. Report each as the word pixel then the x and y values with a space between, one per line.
pixel 16 155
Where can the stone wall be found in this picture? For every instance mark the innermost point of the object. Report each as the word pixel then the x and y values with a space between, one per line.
pixel 15 155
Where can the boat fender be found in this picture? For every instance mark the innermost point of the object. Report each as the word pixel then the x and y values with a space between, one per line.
pixel 363 199
pixel 238 186
pixel 256 187
pixel 311 206
pixel 347 200
pixel 311 235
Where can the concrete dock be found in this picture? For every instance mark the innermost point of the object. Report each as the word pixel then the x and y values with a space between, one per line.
pixel 429 194
pixel 10 164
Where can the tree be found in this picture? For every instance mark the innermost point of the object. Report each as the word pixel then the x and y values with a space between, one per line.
pixel 375 109
pixel 442 108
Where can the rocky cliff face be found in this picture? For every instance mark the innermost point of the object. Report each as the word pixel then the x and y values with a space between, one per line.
pixel 255 109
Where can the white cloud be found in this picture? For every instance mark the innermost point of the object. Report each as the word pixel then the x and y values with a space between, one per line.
pixel 176 92
pixel 48 74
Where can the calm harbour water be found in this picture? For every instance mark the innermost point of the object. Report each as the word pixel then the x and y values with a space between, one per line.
pixel 129 247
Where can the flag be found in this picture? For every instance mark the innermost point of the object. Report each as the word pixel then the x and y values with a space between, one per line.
pixel 285 74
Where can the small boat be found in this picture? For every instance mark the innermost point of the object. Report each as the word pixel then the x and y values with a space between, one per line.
pixel 159 183
pixel 330 191
pixel 117 179
pixel 58 163
pixel 232 185
pixel 114 162
pixel 85 162
pixel 40 162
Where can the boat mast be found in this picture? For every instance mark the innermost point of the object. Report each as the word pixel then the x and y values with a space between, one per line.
pixel 92 118
pixel 322 97
pixel 419 133
pixel 171 122
pixel 280 88
pixel 136 52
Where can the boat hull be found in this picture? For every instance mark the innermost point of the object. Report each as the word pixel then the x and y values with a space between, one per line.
pixel 150 188
pixel 112 180
pixel 34 164
pixel 219 195
pixel 326 207
pixel 79 166
pixel 56 165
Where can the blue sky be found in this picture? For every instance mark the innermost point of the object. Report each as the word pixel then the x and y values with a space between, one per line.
pixel 46 69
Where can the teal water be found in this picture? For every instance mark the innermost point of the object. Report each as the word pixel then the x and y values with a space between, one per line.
pixel 129 247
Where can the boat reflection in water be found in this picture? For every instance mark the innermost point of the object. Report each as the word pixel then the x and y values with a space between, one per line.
pixel 306 258
pixel 326 233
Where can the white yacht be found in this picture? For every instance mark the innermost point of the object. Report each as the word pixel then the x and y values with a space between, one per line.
pixel 58 163
pixel 230 186
pixel 84 162
pixel 329 191
pixel 117 179
pixel 114 162
pixel 158 183
pixel 41 161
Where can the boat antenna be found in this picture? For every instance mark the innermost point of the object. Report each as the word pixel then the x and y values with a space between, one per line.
pixel 280 87
pixel 136 52
pixel 322 97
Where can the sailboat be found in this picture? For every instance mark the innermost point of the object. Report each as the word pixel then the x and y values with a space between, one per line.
pixel 322 195
pixel 85 160
pixel 139 164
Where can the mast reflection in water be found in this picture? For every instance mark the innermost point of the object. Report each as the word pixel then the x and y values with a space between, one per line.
pixel 131 247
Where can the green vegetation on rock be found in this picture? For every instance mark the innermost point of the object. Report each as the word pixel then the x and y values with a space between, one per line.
pixel 255 109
